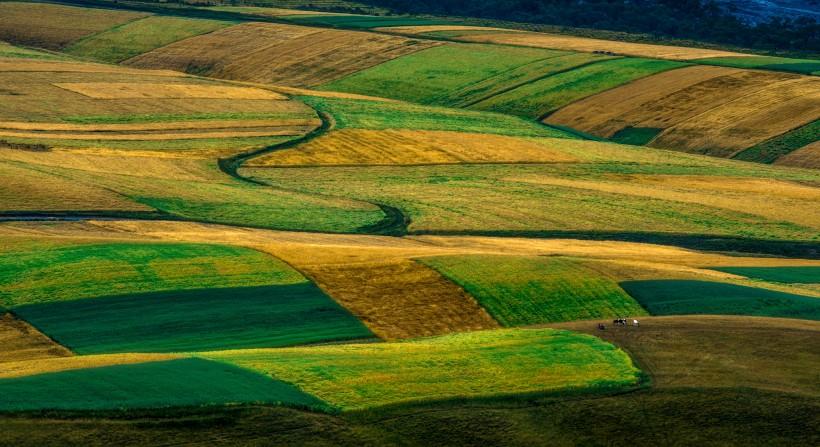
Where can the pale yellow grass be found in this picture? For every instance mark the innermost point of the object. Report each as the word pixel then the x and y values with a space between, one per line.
pixel 51 365
pixel 180 125
pixel 121 90
pixel 412 147
pixel 28 189
pixel 19 341
pixel 608 112
pixel 127 162
pixel 805 157
pixel 152 136
pixel 30 65
pixel 572 43
pixel 771 199
pixel 741 123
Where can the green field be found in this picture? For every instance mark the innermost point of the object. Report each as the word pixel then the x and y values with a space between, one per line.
pixel 682 297
pixel 638 136
pixel 539 98
pixel 519 291
pixel 134 38
pixel 802 66
pixel 196 320
pixel 63 271
pixel 457 74
pixel 8 50
pixel 788 275
pixel 489 363
pixel 490 198
pixel 376 115
pixel 769 151
pixel 174 383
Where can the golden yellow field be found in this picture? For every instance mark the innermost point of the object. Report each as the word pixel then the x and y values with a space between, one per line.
pixel 561 42
pixel 50 365
pixel 408 147
pixel 19 341
pixel 805 157
pixel 400 299
pixel 711 110
pixel 127 90
pixel 15 65
pixel 301 56
pixel 771 199
pixel 153 126
pixel 55 26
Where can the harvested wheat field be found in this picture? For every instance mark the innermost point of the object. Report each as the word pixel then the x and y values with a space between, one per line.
pixel 805 157
pixel 122 90
pixel 19 341
pixel 562 42
pixel 281 54
pixel 700 109
pixel 55 26
pixel 14 65
pixel 351 147
pixel 400 299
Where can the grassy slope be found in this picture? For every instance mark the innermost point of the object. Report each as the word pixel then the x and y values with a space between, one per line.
pixel 789 275
pixel 196 320
pixel 8 50
pixel 463 365
pixel 523 291
pixel 712 417
pixel 376 115
pixel 681 297
pixel 186 382
pixel 770 150
pixel 439 75
pixel 133 38
pixel 73 271
pixel 536 99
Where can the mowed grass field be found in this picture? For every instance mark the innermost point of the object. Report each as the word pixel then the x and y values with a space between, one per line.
pixel 458 74
pixel 183 382
pixel 67 270
pixel 196 320
pixel 802 66
pixel 305 56
pixel 685 297
pixel 487 363
pixel 520 291
pixel 713 110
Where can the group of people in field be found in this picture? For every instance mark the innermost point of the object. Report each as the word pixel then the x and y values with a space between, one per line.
pixel 620 322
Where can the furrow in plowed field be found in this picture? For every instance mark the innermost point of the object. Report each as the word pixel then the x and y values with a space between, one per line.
pixel 401 299
pixel 19 341
pixel 284 54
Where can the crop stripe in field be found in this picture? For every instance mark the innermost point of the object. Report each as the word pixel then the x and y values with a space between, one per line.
pixel 539 78
pixel 115 27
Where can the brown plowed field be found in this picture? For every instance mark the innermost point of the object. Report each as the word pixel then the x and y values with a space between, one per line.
pixel 20 341
pixel 279 54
